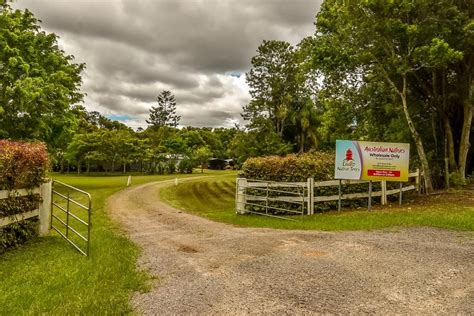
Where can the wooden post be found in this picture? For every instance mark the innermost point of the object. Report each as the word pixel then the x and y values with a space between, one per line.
pixel 383 198
pixel 45 208
pixel 340 196
pixel 418 180
pixel 369 203
pixel 401 192
pixel 241 184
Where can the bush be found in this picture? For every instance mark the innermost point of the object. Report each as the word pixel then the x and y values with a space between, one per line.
pixel 292 168
pixel 456 180
pixel 185 166
pixel 22 166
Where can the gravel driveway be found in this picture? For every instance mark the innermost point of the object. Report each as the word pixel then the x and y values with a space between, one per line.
pixel 205 267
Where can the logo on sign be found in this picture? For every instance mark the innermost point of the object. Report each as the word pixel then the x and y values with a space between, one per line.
pixel 349 161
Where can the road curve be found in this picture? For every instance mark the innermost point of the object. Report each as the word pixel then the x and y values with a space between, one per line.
pixel 204 267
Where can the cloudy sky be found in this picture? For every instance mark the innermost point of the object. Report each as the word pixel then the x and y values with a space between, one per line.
pixel 198 49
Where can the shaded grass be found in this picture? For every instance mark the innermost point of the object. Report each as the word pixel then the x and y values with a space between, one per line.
pixel 213 198
pixel 48 276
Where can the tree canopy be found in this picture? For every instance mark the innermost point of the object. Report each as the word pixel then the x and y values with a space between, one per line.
pixel 38 81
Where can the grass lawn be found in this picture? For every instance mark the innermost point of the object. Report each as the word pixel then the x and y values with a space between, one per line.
pixel 214 198
pixel 48 276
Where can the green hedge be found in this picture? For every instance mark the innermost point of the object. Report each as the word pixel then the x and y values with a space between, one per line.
pixel 22 166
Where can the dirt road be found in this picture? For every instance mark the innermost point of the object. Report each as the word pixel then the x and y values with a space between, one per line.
pixel 211 268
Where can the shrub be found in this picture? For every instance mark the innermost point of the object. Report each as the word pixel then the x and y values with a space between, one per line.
pixel 292 168
pixel 185 166
pixel 22 166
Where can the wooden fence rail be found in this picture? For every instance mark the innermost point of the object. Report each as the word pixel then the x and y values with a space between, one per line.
pixel 243 199
pixel 43 212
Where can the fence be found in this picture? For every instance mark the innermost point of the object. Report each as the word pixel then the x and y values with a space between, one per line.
pixel 246 199
pixel 43 212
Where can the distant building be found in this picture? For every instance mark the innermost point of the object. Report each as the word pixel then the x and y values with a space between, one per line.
pixel 220 164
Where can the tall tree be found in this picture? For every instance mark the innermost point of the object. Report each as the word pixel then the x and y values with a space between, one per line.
pixel 38 81
pixel 165 113
pixel 272 85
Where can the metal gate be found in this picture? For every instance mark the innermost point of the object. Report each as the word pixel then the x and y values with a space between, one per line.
pixel 71 210
pixel 270 198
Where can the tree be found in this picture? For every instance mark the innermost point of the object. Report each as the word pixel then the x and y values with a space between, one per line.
pixel 165 113
pixel 272 86
pixel 202 155
pixel 38 81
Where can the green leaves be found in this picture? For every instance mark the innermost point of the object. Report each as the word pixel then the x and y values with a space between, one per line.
pixel 38 81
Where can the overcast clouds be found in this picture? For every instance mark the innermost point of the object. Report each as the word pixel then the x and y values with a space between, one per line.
pixel 196 48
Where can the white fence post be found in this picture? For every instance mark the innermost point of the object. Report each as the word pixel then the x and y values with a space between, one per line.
pixel 45 208
pixel 240 195
pixel 310 201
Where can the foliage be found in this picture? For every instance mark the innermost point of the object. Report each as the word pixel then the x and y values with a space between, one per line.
pixel 165 113
pixel 38 81
pixel 281 94
pixel 22 165
pixel 13 235
pixel 18 204
pixel 186 166
pixel 201 155
pixel 292 168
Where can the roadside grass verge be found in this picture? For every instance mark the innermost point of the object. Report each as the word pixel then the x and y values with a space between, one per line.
pixel 48 276
pixel 214 198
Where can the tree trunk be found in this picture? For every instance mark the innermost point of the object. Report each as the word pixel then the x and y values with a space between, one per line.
pixel 79 167
pixel 416 137
pixel 450 144
pixel 446 160
pixel 466 130
pixel 124 167
pixel 88 167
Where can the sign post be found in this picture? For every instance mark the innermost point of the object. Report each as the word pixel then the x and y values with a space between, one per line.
pixel 372 161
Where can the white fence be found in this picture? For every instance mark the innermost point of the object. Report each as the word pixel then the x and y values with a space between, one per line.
pixel 306 197
pixel 43 212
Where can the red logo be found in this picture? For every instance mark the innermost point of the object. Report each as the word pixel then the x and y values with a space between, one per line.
pixel 349 154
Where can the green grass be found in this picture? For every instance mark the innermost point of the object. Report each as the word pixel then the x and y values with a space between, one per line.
pixel 213 198
pixel 48 276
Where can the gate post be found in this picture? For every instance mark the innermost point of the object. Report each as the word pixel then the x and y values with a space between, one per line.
pixel 45 208
pixel 241 184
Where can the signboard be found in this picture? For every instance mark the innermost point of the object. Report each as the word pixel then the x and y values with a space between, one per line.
pixel 359 160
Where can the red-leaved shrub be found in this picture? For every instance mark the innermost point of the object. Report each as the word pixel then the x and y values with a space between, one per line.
pixel 317 165
pixel 22 165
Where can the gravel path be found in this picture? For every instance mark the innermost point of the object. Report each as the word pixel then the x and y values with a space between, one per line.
pixel 205 267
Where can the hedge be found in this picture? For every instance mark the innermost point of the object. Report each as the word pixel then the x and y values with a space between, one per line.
pixel 291 168
pixel 22 166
